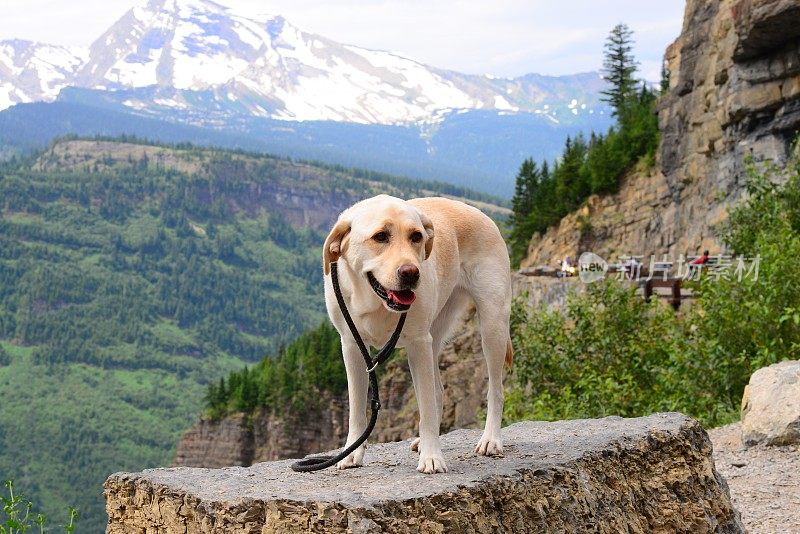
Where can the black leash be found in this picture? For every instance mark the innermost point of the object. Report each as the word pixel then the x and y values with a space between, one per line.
pixel 315 463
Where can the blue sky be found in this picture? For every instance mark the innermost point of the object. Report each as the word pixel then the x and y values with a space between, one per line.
pixel 501 37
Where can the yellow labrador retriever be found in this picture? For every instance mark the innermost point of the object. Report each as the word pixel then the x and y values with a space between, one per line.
pixel 390 262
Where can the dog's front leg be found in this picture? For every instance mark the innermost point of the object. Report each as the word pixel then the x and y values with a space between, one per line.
pixel 357 384
pixel 421 362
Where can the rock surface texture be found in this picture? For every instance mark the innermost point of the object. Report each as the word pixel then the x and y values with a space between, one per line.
pixel 734 92
pixel 650 474
pixel 771 405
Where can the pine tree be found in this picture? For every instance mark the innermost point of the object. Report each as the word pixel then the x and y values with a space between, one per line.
pixel 664 85
pixel 525 188
pixel 619 66
pixel 522 204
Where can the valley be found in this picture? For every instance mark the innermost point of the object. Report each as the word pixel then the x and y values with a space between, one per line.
pixel 132 275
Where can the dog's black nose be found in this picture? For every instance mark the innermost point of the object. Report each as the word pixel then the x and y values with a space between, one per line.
pixel 408 274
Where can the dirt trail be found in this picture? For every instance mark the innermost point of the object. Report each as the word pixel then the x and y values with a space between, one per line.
pixel 764 481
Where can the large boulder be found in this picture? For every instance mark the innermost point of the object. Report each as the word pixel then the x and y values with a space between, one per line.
pixel 650 474
pixel 771 405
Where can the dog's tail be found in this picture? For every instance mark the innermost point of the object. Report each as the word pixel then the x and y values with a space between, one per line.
pixel 509 353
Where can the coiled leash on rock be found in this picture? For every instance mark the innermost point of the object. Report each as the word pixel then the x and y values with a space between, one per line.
pixel 315 463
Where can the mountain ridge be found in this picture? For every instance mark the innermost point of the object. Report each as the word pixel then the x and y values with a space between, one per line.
pixel 267 67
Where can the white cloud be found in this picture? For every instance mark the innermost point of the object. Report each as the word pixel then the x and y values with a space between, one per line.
pixel 504 37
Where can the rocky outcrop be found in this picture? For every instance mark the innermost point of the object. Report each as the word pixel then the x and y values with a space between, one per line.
pixel 771 405
pixel 651 474
pixel 611 226
pixel 734 93
pixel 217 443
pixel 266 435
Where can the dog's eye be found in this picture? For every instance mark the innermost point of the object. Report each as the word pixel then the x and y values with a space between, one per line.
pixel 381 237
pixel 416 237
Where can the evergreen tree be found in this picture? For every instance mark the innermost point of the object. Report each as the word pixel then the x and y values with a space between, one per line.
pixel 664 84
pixel 619 66
pixel 522 204
pixel 571 187
pixel 544 195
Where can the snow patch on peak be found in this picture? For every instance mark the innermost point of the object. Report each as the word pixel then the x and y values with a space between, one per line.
pixel 31 71
pixel 501 103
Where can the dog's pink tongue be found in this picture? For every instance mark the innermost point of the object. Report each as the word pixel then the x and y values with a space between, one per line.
pixel 404 297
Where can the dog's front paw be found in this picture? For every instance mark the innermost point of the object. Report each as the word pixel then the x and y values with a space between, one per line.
pixel 431 463
pixel 354 459
pixel 489 446
pixel 415 445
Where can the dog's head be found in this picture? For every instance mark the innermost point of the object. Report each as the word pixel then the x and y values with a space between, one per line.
pixel 384 239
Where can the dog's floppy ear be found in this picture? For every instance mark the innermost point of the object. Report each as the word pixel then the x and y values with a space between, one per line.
pixel 428 225
pixel 333 247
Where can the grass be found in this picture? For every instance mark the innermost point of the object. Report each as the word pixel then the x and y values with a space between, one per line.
pixel 94 421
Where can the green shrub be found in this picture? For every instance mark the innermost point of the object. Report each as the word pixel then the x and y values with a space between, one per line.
pixel 749 321
pixel 609 354
pixel 612 353
pixel 18 516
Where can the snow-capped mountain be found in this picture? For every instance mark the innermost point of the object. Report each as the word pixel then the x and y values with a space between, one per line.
pixel 200 58
pixel 33 71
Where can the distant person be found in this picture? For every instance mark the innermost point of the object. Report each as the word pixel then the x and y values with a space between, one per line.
pixel 702 260
pixel 566 267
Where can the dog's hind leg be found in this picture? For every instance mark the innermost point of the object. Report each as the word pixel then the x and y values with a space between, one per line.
pixel 491 288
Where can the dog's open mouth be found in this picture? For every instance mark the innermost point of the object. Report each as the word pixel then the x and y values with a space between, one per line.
pixel 399 300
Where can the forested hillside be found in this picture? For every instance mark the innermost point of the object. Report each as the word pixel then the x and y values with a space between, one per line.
pixel 131 277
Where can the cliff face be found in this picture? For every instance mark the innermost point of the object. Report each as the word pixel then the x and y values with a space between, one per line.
pixel 239 440
pixel 734 92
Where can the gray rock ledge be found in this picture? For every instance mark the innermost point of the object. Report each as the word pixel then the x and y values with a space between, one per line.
pixel 649 474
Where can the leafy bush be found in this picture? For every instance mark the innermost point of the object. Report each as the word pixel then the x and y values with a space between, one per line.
pixel 18 516
pixel 754 321
pixel 612 353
